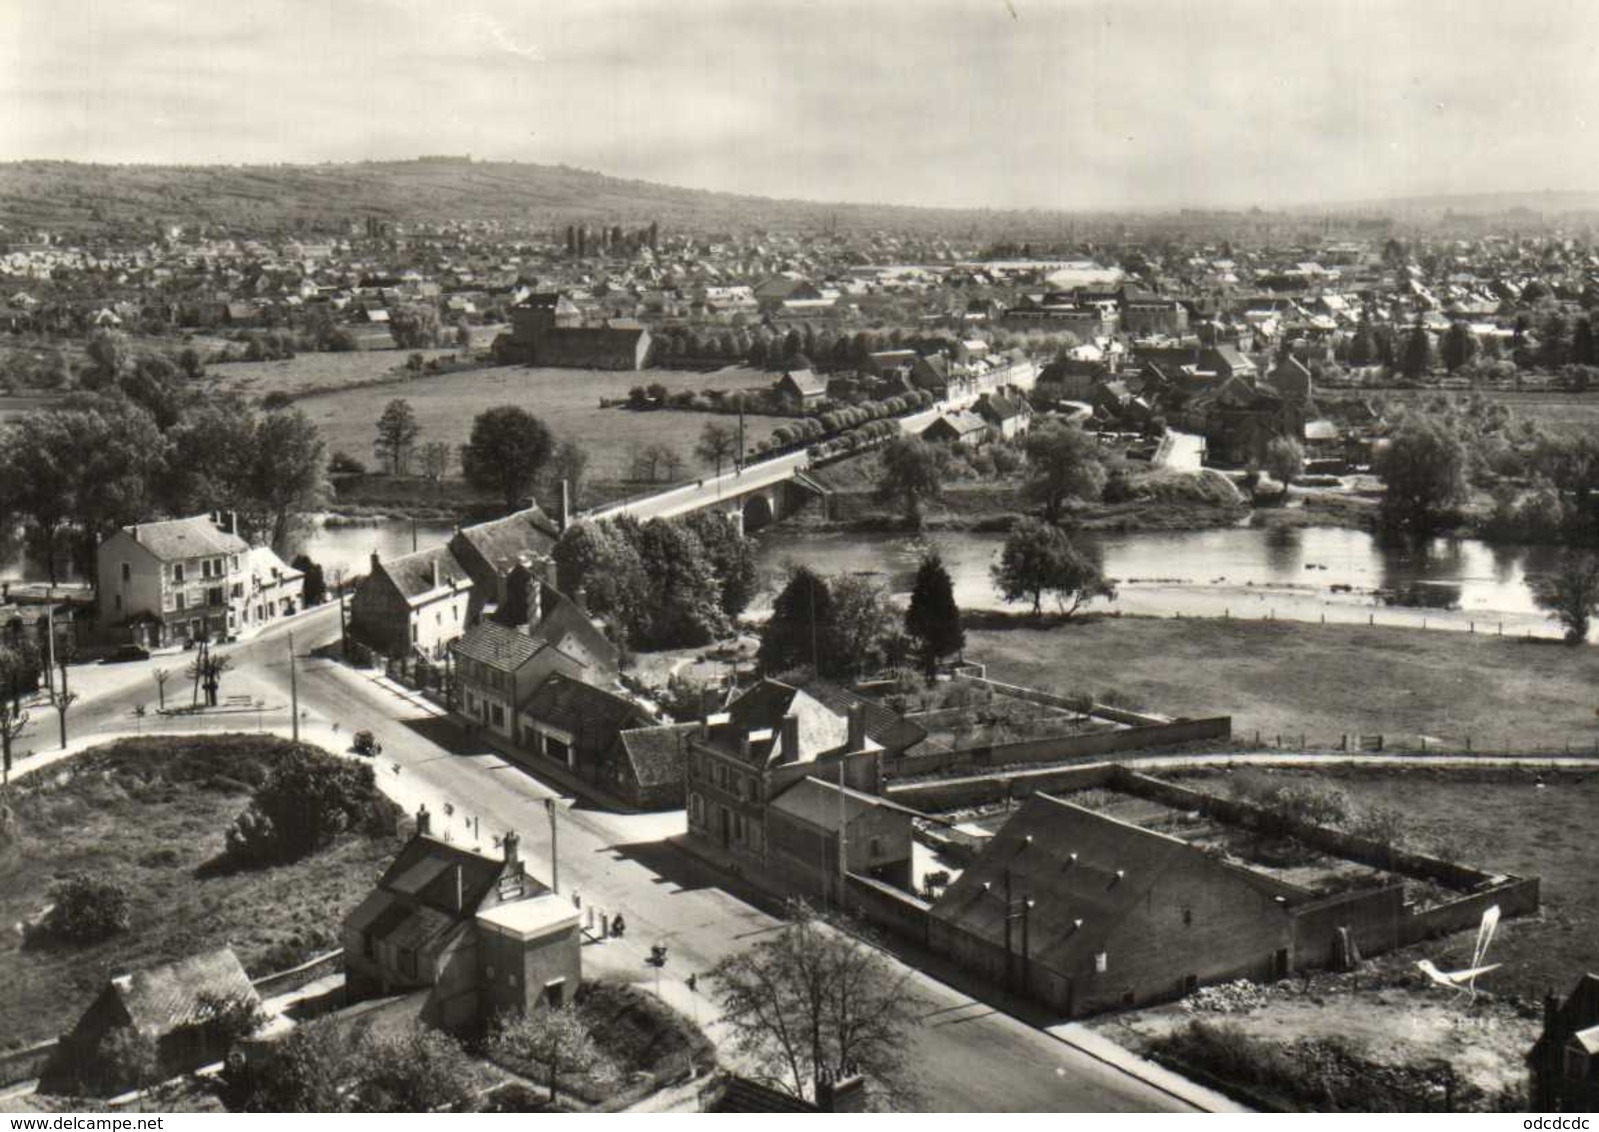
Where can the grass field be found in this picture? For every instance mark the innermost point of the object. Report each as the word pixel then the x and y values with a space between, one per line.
pixel 1322 681
pixel 148 813
pixel 1553 407
pixel 1521 822
pixel 567 400
pixel 327 372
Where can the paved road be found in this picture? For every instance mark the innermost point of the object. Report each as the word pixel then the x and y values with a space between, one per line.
pixel 971 1057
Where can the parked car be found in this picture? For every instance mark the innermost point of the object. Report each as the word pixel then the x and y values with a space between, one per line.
pixel 366 744
pixel 126 652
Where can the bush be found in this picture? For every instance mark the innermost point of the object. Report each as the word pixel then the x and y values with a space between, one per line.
pixel 305 803
pixel 344 462
pixel 88 909
pixel 276 400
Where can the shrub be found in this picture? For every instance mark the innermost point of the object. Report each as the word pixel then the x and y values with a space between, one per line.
pixel 88 909
pixel 307 801
pixel 344 462
pixel 276 400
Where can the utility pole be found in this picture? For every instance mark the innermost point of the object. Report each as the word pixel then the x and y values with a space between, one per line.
pixel 843 840
pixel 294 693
pixel 50 632
pixel 555 859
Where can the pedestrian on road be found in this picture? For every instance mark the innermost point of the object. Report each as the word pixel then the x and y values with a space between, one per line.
pixel 693 982
pixel 618 926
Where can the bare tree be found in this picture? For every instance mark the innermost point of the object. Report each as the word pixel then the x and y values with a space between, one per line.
pixel 718 444
pixel 812 1003
pixel 12 721
pixel 161 676
pixel 64 701
pixel 435 461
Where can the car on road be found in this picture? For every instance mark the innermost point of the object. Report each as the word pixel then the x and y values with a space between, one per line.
pixel 123 653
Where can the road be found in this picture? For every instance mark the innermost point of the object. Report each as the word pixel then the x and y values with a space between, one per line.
pixel 970 1056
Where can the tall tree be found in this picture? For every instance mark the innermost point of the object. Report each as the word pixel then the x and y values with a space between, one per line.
pixel 1285 460
pixel 732 557
pixel 569 466
pixel 933 620
pixel 911 473
pixel 507 448
pixel 1570 595
pixel 813 1003
pixel 398 429
pixel 800 631
pixel 685 601
pixel 288 477
pixel 1416 360
pixel 1458 346
pixel 866 621
pixel 598 560
pixel 1063 462
pixel 415 326
pixel 718 444
pixel 1424 469
pixel 556 1040
pixel 1039 559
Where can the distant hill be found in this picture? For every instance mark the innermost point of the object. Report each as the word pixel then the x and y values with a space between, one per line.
pixel 75 197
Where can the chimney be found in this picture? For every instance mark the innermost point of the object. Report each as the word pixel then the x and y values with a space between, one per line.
pixel 535 601
pixel 848 1094
pixel 134 531
pixel 424 822
pixel 233 522
pixel 580 598
pixel 790 738
pixel 565 515
pixel 857 729
pixel 744 744
pixel 512 844
pixel 376 562
pixel 436 579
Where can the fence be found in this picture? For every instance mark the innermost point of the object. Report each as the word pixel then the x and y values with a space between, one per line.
pixel 1062 748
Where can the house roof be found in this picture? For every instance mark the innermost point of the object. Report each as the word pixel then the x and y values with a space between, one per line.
pixel 805 382
pixel 503 542
pixel 498 646
pixel 885 726
pixel 174 539
pixel 759 713
pixel 818 802
pixel 264 564
pixel 412 574
pixel 425 871
pixel 998 407
pixel 656 753
pixel 165 998
pixel 1588 1039
pixel 1076 865
pixel 960 421
pixel 592 715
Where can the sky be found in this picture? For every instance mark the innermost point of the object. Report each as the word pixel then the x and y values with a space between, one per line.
pixel 1068 104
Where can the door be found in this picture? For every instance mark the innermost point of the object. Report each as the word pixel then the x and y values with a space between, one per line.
pixel 727 826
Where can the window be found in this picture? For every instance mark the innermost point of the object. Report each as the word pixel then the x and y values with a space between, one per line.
pixel 366 944
pixel 238 589
pixel 875 846
pixel 1101 962
pixel 181 603
pixel 555 993
pixel 213 596
pixel 177 572
pixel 116 602
pixel 497 713
pixel 127 572
pixel 233 562
pixel 413 633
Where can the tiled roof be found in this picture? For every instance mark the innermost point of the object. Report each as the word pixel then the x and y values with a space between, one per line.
pixel 656 753
pixel 412 574
pixel 498 646
pixel 162 999
pixel 503 542
pixel 890 730
pixel 591 714
pixel 197 537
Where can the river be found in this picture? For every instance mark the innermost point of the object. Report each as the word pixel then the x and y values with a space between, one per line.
pixel 1310 574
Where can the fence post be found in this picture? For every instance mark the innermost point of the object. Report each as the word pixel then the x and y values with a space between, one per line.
pixel 1468 744
pixel 1371 619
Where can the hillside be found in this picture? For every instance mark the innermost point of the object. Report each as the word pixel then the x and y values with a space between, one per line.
pixel 73 197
